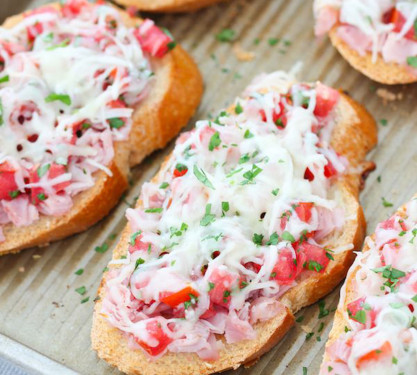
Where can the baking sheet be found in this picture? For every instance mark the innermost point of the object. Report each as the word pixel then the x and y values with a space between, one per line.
pixel 44 327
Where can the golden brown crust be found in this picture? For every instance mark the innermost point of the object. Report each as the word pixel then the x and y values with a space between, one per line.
pixel 388 73
pixel 174 6
pixel 175 94
pixel 353 123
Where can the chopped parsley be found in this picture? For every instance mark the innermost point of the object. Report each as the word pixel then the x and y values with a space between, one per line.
pixel 58 97
pixel 41 196
pixel 360 316
pixel 309 335
pixel 156 210
pixel 79 272
pixel 41 171
pixel 412 61
pixel 248 134
pixel 238 109
pixel 214 141
pixel 116 122
pixel 226 36
pixel 383 122
pixel 164 185
pixel 257 239
pixel 275 192
pixel 139 261
pixel 414 233
pixel 273 239
pixel 208 217
pixel 414 298
pixel 134 236
pixel 81 290
pixel 86 299
pixel 391 274
pixel 244 158
pixel 273 41
pixel 202 177
pixel 287 236
pixel 225 207
pixel 312 265
pixel 251 174
pixel 5 79
pixel 211 286
pixel 300 319
pixel 1 113
pixel 14 194
pixel 385 203
pixel 102 249
pixel 322 309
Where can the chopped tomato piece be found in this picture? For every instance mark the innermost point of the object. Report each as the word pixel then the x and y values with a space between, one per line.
pixel 33 31
pixel 362 313
pixel 308 175
pixel 384 351
pixel 329 170
pixel 303 210
pixel 315 257
pixel 210 312
pixel 72 7
pixel 7 181
pixel 152 39
pixel 284 219
pixel 285 270
pixel 180 170
pixel 399 21
pixel 326 98
pixel 55 170
pixel 388 224
pixel 222 282
pixel 174 299
pixel 156 332
pixel 278 117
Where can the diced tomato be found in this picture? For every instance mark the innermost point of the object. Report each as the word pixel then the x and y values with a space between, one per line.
pixel 33 31
pixel 255 267
pixel 54 171
pixel 223 282
pixel 7 181
pixel 329 170
pixel 308 175
pixel 72 7
pixel 210 312
pixel 278 117
pixel 399 21
pixel 174 299
pixel 155 330
pixel 152 39
pixel 315 257
pixel 388 224
pixel 180 170
pixel 303 210
pixel 284 219
pixel 326 98
pixel 285 270
pixel 385 351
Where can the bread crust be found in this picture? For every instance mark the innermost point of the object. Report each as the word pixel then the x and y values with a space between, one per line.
pixel 353 136
pixel 171 6
pixel 388 73
pixel 173 98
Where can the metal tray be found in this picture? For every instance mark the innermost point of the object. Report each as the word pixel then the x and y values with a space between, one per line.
pixel 43 326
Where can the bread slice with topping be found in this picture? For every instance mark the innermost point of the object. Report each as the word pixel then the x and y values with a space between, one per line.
pixel 166 102
pixel 254 216
pixel 174 6
pixel 373 330
pixel 379 40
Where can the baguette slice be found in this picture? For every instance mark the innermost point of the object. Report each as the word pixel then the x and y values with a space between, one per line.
pixel 172 100
pixel 353 136
pixel 170 6
pixel 349 293
pixel 388 73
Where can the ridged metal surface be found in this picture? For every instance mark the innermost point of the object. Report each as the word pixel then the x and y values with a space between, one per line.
pixel 39 307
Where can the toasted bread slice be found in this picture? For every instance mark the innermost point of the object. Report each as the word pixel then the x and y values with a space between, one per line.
pixel 174 6
pixel 353 136
pixel 388 73
pixel 349 294
pixel 174 96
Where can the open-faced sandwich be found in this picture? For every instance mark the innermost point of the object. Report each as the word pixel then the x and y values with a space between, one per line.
pixel 377 37
pixel 374 331
pixel 167 5
pixel 85 91
pixel 254 215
